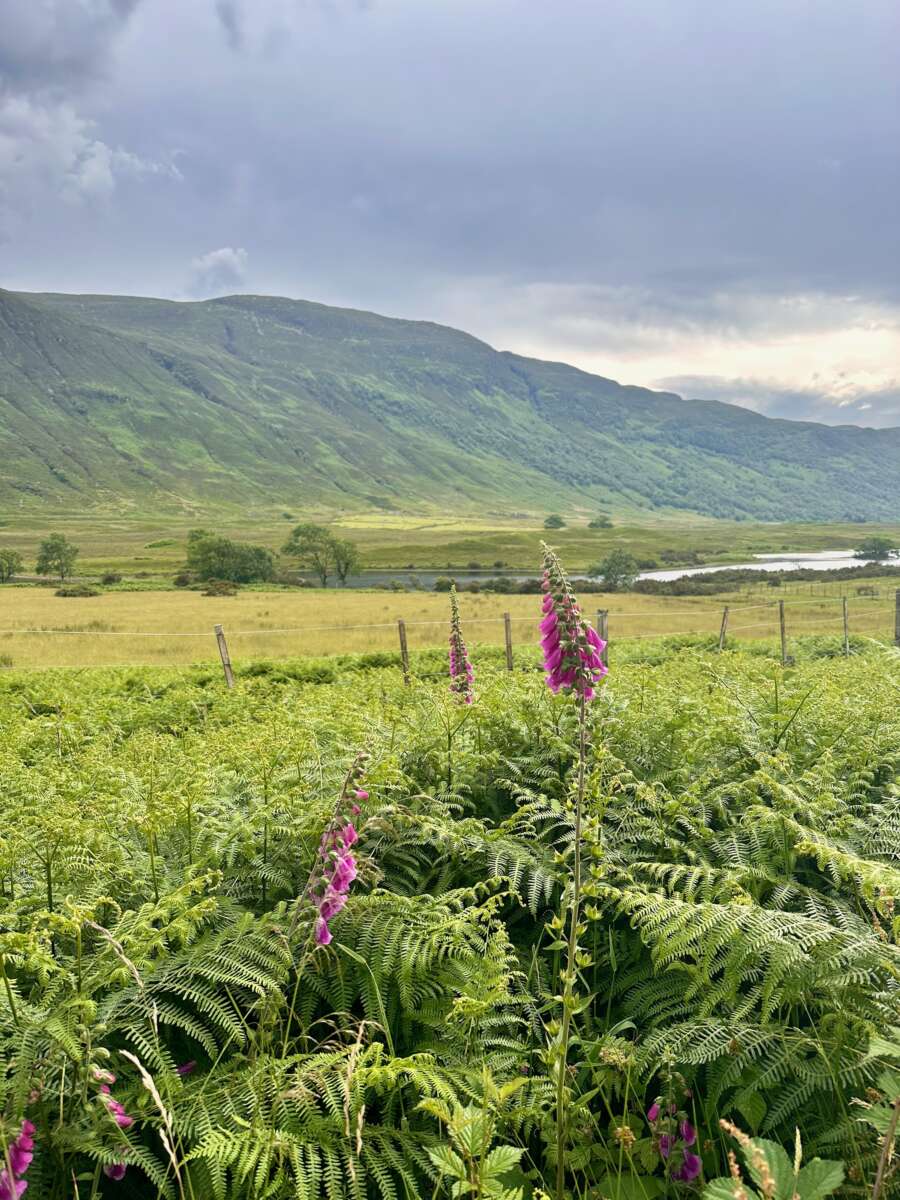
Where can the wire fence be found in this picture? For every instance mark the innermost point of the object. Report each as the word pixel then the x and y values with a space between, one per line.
pixel 870 616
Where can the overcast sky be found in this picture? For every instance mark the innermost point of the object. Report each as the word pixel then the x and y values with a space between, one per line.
pixel 689 194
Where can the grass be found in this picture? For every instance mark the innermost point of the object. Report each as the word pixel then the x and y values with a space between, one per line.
pixel 154 547
pixel 176 627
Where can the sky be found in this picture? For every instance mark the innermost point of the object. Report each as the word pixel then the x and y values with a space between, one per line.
pixel 686 194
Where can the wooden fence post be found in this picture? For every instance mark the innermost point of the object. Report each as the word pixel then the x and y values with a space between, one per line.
pixel 603 630
pixel 507 630
pixel 223 654
pixel 846 627
pixel 897 617
pixel 784 655
pixel 724 628
pixel 404 650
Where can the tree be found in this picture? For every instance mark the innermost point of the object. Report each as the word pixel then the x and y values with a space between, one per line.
pixel 346 559
pixel 10 564
pixel 56 556
pixel 618 571
pixel 212 557
pixel 554 521
pixel 601 521
pixel 875 547
pixel 314 546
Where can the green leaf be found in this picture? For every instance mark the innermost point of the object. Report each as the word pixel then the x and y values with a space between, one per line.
pixel 724 1188
pixel 753 1108
pixel 629 1186
pixel 780 1167
pixel 500 1159
pixel 447 1161
pixel 820 1177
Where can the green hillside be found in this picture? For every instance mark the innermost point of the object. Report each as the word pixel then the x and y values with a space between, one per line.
pixel 256 403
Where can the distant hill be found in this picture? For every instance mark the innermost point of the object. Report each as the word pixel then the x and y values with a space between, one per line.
pixel 261 403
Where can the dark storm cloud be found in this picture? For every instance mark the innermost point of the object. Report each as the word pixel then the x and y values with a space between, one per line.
pixel 614 175
pixel 57 42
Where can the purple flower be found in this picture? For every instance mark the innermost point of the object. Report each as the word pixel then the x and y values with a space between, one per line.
pixel 666 1142
pixel 689 1169
pixel 652 1112
pixel 461 674
pixel 572 650
pixel 323 933
pixel 115 1170
pixel 20 1152
pixel 361 794
pixel 187 1068
pixel 688 1133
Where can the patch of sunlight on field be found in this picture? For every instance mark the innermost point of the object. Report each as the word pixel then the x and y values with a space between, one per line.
pixel 176 627
pixel 381 521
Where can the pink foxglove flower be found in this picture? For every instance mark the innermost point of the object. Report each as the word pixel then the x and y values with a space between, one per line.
pixel 572 649
pixel 690 1168
pixel 653 1112
pixel 187 1068
pixel 20 1152
pixel 462 677
pixel 115 1170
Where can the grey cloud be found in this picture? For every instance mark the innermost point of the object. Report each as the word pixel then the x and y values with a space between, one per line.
pixel 230 18
pixel 218 271
pixel 58 42
pixel 876 407
pixel 613 174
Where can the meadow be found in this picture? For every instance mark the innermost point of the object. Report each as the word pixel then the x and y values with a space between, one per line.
pixel 153 547
pixel 176 626
pixel 174 1025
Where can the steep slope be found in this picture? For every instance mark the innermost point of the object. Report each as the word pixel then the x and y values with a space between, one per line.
pixel 261 402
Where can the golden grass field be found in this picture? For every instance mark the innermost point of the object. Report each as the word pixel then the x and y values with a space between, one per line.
pixel 176 627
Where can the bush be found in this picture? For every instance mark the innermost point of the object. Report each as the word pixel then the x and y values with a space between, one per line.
pixel 6 661
pixel 443 583
pixel 220 587
pixel 76 590
pixel 473 566
pixel 183 579
pixel 554 521
pixel 600 522
pixel 111 577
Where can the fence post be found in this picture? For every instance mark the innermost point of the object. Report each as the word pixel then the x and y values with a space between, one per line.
pixel 507 629
pixel 846 627
pixel 603 630
pixel 223 654
pixel 897 617
pixel 724 628
pixel 783 633
pixel 404 650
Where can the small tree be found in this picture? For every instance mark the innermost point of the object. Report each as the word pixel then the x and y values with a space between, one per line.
pixel 601 521
pixel 618 571
pixel 875 547
pixel 314 546
pixel 211 557
pixel 10 564
pixel 56 556
pixel 346 559
pixel 554 521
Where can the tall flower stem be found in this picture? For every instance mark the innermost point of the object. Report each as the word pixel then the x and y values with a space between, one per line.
pixel 568 992
pixel 573 660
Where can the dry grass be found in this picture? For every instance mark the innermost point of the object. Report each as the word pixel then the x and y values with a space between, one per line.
pixel 171 627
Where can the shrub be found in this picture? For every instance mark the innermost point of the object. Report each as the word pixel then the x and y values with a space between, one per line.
pixel 111 577
pixel 554 521
pixel 443 583
pixel 220 587
pixel 183 579
pixel 600 522
pixel 76 590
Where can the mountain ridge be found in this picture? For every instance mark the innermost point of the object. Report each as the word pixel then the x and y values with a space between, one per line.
pixel 264 402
